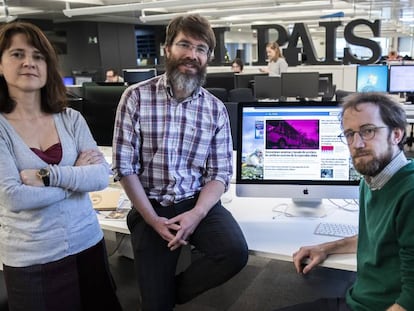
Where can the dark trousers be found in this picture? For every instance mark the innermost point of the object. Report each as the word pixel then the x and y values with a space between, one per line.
pixel 79 282
pixel 218 238
pixel 323 304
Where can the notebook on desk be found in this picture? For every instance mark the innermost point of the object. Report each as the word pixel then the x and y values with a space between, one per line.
pixel 105 200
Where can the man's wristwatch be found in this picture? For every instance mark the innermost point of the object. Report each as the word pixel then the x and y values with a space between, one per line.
pixel 44 175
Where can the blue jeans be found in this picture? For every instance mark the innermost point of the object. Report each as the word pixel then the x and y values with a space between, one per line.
pixel 218 238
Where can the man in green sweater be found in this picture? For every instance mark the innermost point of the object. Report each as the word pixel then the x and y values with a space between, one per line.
pixel 374 130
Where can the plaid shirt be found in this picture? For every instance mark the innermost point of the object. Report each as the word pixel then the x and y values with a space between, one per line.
pixel 174 147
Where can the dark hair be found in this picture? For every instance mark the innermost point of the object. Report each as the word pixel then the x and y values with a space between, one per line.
pixel 53 94
pixel 239 62
pixel 392 113
pixel 114 71
pixel 194 26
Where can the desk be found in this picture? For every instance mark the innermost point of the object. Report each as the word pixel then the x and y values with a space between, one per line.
pixel 271 234
pixel 268 233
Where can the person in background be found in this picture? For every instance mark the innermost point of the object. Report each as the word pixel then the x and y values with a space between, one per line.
pixel 51 244
pixel 237 65
pixel 113 76
pixel 392 56
pixel 374 128
pixel 276 62
pixel 173 157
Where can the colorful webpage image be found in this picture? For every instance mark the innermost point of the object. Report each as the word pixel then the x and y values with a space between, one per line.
pixel 294 143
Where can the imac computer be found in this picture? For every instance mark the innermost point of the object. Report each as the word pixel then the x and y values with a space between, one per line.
pixel 132 76
pixel 301 85
pixel 372 78
pixel 292 150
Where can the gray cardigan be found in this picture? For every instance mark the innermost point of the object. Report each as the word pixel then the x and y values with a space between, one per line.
pixel 44 224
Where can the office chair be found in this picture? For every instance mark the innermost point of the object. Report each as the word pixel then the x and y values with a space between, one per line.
pixel 330 94
pixel 340 94
pixel 219 92
pixel 242 94
pixel 232 110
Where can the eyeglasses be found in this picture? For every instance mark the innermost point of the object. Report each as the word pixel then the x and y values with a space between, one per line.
pixel 366 132
pixel 201 50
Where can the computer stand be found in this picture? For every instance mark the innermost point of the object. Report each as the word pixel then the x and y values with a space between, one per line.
pixel 306 208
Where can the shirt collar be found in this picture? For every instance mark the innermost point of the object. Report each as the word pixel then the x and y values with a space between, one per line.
pixel 378 181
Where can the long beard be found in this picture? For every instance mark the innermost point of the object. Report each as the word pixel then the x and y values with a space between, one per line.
pixel 185 82
pixel 374 166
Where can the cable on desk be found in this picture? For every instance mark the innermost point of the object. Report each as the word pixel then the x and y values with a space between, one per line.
pixel 349 206
pixel 117 246
pixel 282 209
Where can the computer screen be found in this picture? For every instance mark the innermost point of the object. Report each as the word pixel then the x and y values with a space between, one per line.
pixel 246 80
pixel 266 87
pixel 372 78
pixel 401 78
pixel 79 80
pixel 300 84
pixel 137 75
pixel 220 79
pixel 292 150
pixel 68 80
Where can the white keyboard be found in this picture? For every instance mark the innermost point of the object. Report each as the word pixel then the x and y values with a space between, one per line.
pixel 336 229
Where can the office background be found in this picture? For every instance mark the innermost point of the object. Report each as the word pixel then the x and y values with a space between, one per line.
pixel 94 41
pixel 96 34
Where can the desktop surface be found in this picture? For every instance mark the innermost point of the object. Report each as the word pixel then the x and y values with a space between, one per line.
pixel 269 231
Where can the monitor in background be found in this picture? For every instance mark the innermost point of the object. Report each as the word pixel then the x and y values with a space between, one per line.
pixel 266 87
pixel 401 79
pixel 68 80
pixel 292 150
pixel 220 79
pixel 79 80
pixel 326 88
pixel 132 76
pixel 246 80
pixel 372 78
pixel 301 85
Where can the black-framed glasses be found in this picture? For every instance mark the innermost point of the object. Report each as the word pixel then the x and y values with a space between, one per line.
pixel 366 132
pixel 201 50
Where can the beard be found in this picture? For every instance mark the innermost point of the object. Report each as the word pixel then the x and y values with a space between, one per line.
pixel 374 166
pixel 186 82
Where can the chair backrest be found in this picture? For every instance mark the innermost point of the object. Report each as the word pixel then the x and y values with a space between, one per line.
pixel 232 110
pixel 340 94
pixel 99 108
pixel 220 93
pixel 240 95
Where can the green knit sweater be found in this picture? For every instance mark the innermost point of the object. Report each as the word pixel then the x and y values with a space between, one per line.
pixel 385 257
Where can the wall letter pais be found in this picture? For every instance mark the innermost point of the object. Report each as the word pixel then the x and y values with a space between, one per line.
pixel 351 38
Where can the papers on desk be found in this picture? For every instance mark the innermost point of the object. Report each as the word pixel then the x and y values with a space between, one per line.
pixel 110 204
pixel 106 200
